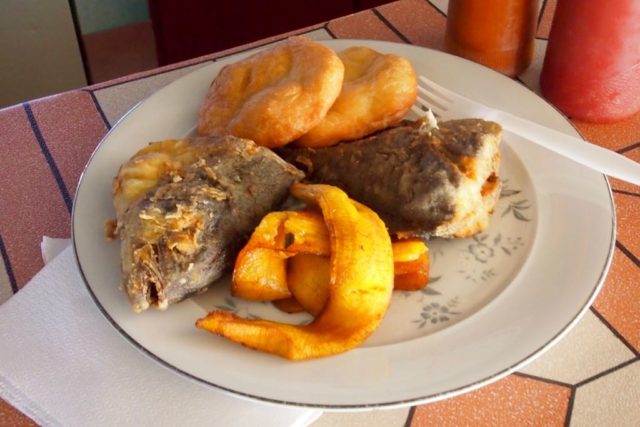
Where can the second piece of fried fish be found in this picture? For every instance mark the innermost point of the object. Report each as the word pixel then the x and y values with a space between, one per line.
pixel 184 208
pixel 422 181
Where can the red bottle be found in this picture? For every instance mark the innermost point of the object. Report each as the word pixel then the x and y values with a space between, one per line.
pixel 591 69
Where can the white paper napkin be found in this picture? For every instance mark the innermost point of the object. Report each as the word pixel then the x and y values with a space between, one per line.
pixel 62 363
pixel 50 247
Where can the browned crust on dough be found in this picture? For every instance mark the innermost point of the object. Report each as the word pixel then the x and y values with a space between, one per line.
pixel 377 92
pixel 274 96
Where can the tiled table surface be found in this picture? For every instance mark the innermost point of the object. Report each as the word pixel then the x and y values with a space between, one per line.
pixel 592 377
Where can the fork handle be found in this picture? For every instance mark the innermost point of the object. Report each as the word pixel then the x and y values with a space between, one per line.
pixel 598 158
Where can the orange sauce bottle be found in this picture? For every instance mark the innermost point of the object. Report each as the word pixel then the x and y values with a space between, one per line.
pixel 497 33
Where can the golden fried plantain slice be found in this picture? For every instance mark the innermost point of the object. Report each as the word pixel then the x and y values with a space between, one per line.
pixel 289 305
pixel 361 284
pixel 301 241
pixel 308 279
pixel 259 273
pixel 411 265
pixel 308 274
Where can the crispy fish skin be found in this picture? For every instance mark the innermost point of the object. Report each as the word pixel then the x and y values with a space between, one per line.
pixel 422 181
pixel 183 232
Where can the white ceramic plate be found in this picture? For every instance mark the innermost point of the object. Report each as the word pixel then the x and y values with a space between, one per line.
pixel 495 301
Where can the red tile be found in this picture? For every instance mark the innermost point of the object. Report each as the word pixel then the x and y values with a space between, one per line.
pixel 619 300
pixel 614 136
pixel 9 416
pixel 120 51
pixel 72 127
pixel 628 219
pixel 363 25
pixel 513 401
pixel 31 204
pixel 418 21
pixel 544 24
pixel 616 184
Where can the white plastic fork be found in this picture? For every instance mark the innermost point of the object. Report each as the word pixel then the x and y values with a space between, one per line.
pixel 448 105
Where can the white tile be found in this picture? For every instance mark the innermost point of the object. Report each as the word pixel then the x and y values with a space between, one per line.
pixel 116 100
pixel 531 76
pixel 613 400
pixel 442 5
pixel 587 350
pixel 377 418
pixel 540 3
pixel 319 34
pixel 5 285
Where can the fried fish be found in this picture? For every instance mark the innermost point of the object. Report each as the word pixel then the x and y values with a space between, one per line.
pixel 185 207
pixel 422 180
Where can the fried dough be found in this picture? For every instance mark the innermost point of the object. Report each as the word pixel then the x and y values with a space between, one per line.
pixel 275 96
pixel 377 92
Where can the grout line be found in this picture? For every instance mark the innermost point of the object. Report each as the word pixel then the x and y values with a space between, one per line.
pixel 7 263
pixel 436 8
pixel 326 28
pixel 542 379
pixel 542 10
pixel 614 331
pixel 98 108
pixel 410 416
pixel 628 148
pixel 626 193
pixel 48 157
pixel 135 79
pixel 628 253
pixel 572 398
pixel 609 371
pixel 81 47
pixel 390 26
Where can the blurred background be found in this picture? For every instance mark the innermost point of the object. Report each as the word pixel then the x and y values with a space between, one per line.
pixel 56 45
